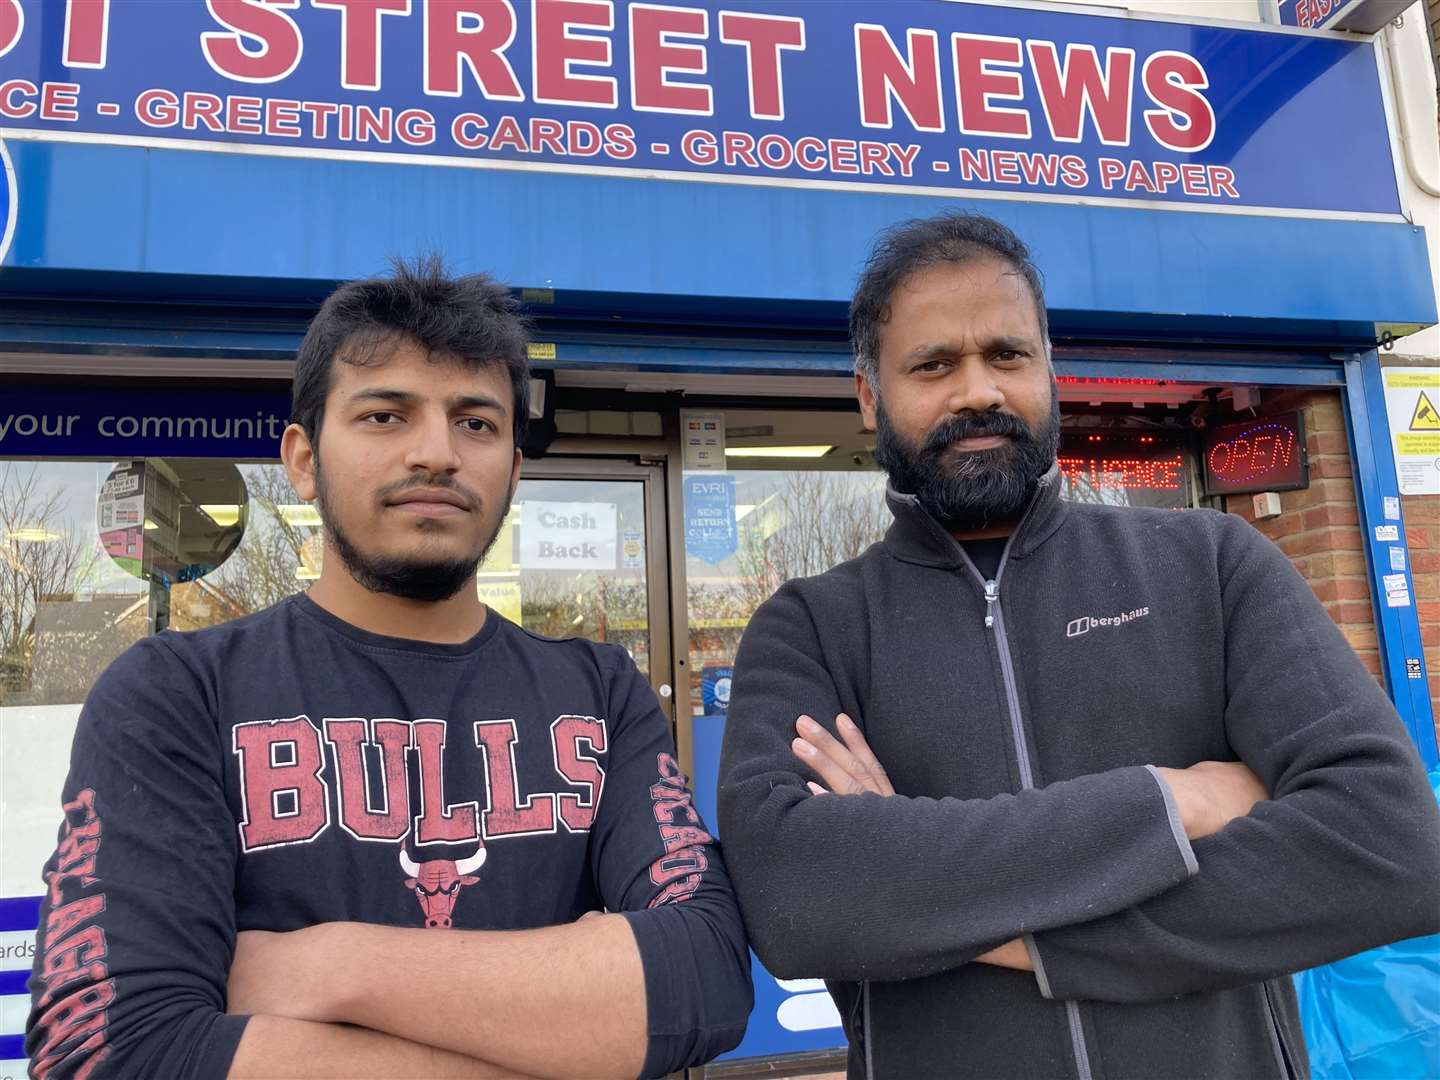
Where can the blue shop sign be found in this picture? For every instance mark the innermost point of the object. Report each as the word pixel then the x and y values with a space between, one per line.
pixel 121 423
pixel 711 532
pixel 790 1014
pixel 905 95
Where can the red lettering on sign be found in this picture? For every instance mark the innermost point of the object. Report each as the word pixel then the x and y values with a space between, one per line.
pixel 1071 90
pixel 654 56
pixel 739 149
pixel 282 118
pixel 12 24
pixel 1185 121
pixel 976 84
pixel 912 81
pixel 764 37
pixel 87 33
pixel 25 107
pixel 843 156
pixel 361 40
pixel 260 42
pixel 558 46
pixel 699 147
pixel 473 35
pixel 1253 455
pixel 59 101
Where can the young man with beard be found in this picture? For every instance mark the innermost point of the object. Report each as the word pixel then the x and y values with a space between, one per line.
pixel 270 823
pixel 1072 789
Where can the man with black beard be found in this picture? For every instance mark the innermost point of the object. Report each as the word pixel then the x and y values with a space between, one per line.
pixel 1072 789
pixel 268 823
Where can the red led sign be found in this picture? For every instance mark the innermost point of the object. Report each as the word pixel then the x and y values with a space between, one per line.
pixel 1267 454
pixel 1135 470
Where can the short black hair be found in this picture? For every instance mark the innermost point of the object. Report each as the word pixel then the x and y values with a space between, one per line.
pixel 914 245
pixel 471 320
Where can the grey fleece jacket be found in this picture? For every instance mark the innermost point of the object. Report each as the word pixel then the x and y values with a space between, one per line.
pixel 1022 754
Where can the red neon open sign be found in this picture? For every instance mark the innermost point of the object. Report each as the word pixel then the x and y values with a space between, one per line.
pixel 1267 454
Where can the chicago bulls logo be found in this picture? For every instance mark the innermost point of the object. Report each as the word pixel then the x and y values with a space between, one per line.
pixel 437 883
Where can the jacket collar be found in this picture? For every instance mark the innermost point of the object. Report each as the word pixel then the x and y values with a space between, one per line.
pixel 917 537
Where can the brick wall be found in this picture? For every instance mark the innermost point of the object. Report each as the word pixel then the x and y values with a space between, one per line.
pixel 1319 526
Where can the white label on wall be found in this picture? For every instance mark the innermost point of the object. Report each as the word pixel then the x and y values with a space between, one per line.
pixel 1412 404
pixel 1397 558
pixel 1387 533
pixel 632 548
pixel 703 435
pixel 567 536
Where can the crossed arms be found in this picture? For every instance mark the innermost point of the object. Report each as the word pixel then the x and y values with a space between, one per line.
pixel 350 999
pixel 1206 797
pixel 1088 872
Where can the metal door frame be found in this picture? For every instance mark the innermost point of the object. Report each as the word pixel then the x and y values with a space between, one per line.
pixel 659 606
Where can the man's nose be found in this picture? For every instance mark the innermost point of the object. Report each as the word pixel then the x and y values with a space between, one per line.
pixel 432 445
pixel 972 388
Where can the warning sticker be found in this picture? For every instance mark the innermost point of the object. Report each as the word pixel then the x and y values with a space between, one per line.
pixel 1412 403
pixel 1425 418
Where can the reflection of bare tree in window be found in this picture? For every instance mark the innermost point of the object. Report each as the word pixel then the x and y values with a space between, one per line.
pixel 1079 488
pixel 815 521
pixel 262 571
pixel 587 605
pixel 40 555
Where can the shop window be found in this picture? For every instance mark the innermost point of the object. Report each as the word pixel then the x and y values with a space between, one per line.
pixel 798 493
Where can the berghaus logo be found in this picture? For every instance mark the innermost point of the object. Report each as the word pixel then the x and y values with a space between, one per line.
pixel 1086 623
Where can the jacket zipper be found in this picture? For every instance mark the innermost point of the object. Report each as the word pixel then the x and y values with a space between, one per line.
pixel 995 620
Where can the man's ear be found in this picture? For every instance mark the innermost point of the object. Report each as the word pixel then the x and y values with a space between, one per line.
pixel 515 471
pixel 865 393
pixel 298 456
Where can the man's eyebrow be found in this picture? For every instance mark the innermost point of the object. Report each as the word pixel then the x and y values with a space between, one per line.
pixel 474 401
pixel 931 350
pixel 1008 343
pixel 378 393
pixel 408 397
pixel 934 350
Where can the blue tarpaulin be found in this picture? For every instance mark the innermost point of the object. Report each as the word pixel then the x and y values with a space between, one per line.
pixel 1376 1015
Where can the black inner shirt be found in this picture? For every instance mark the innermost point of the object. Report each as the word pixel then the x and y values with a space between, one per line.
pixel 985 554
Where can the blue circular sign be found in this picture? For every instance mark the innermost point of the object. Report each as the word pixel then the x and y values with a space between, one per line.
pixel 9 202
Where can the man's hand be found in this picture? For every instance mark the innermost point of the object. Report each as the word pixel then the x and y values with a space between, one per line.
pixel 848 768
pixel 1211 794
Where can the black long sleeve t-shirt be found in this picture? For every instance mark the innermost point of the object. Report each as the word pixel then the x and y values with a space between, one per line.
pixel 289 769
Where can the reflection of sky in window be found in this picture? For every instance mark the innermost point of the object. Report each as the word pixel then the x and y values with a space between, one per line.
pixel 78 485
